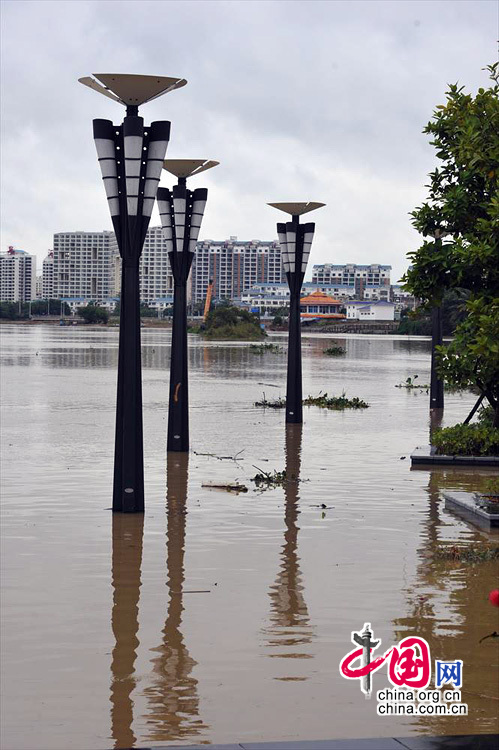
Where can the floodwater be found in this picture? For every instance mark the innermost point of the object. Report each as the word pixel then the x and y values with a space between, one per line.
pixel 219 617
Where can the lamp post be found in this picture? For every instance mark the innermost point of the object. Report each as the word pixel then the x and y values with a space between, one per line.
pixel 131 158
pixel 181 214
pixel 295 240
pixel 436 383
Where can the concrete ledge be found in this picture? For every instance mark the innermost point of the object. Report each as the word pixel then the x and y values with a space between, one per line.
pixel 465 504
pixel 416 742
pixel 426 455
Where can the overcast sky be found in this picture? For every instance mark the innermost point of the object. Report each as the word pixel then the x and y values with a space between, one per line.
pixel 299 101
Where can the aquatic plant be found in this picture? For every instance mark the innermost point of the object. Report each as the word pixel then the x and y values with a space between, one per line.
pixel 262 348
pixel 334 351
pixel 337 403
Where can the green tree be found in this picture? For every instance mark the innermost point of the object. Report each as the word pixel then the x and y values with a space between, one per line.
pixel 10 311
pixel 93 314
pixel 230 322
pixel 52 306
pixel 463 207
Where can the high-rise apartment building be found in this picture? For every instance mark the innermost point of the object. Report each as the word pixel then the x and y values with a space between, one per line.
pixel 350 274
pixel 156 279
pixel 84 265
pixel 17 276
pixel 48 276
pixel 234 266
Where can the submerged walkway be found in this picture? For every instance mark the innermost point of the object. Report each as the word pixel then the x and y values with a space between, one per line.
pixel 416 742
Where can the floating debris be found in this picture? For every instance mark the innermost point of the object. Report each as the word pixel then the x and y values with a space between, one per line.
pixel 337 403
pixel 262 348
pixel 228 487
pixel 265 480
pixel 411 384
pixel 276 403
pixel 334 351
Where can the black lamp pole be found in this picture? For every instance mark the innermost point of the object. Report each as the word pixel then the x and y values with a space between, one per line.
pixel 295 240
pixel 131 158
pixel 181 214
pixel 293 234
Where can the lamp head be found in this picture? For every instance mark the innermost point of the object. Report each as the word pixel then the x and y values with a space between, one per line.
pixel 183 168
pixel 131 90
pixel 296 209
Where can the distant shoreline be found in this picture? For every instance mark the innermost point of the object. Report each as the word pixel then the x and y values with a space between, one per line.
pixel 380 328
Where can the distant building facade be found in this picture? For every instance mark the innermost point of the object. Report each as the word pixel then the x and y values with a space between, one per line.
pixel 84 266
pixel 48 276
pixel 403 300
pixel 234 266
pixel 318 305
pixel 356 277
pixel 370 311
pixel 265 297
pixel 17 276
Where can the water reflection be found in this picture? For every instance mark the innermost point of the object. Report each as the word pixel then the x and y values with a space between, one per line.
pixel 173 701
pixel 128 532
pixel 436 419
pixel 289 630
pixel 448 607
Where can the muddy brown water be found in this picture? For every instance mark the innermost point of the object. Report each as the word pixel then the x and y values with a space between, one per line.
pixel 219 617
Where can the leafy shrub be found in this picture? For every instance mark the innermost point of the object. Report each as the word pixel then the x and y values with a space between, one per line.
pixel 467 440
pixel 486 415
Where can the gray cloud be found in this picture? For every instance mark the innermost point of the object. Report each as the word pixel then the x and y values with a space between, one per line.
pixel 298 100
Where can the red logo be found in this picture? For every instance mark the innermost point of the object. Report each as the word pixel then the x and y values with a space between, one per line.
pixel 409 662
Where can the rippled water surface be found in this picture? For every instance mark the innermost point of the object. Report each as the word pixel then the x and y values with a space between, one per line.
pixel 219 617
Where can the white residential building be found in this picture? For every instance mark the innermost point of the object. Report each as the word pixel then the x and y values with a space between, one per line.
pixel 156 278
pixel 48 276
pixel 370 311
pixel 17 276
pixel 234 266
pixel 374 293
pixel 39 287
pixel 84 265
pixel 155 274
pixel 357 277
pixel 403 300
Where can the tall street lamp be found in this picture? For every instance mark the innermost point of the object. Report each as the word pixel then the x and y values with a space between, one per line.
pixel 131 158
pixel 295 240
pixel 436 383
pixel 181 214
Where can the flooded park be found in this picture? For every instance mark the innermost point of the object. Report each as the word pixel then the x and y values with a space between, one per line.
pixel 217 616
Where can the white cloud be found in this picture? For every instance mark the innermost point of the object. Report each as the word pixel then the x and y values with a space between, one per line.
pixel 298 100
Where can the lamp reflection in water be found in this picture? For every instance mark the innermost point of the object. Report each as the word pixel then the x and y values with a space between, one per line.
pixel 128 529
pixel 173 702
pixel 289 629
